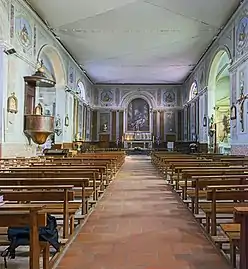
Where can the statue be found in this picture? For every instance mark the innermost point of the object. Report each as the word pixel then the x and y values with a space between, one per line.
pixel 241 102
pixel 105 127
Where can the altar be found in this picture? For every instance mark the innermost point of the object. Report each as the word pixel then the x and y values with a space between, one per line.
pixel 137 139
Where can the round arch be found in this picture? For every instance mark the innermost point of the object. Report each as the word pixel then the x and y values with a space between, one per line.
pixel 81 89
pixel 129 97
pixel 56 62
pixel 222 56
pixel 193 90
pixel 219 94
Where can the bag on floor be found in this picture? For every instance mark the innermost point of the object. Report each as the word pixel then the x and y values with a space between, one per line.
pixel 19 236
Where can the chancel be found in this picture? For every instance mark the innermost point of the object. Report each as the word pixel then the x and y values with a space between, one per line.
pixel 123 134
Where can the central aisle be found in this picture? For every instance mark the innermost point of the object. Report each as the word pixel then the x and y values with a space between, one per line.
pixel 139 224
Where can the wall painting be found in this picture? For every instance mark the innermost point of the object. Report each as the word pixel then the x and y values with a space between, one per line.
pixel 24 32
pixel 138 115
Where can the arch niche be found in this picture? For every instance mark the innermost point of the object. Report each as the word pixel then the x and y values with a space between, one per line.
pixel 219 101
pixel 53 99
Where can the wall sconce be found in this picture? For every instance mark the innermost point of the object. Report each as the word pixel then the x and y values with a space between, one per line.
pixel 233 112
pixel 205 121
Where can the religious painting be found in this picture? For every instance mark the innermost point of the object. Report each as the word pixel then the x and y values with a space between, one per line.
pixel 107 96
pixel 169 98
pixel 104 122
pixel 242 32
pixel 24 31
pixel 193 118
pixel 72 77
pixel 138 115
pixel 80 120
pixel 12 104
pixel 170 123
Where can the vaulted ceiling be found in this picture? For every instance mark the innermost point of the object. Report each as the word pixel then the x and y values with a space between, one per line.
pixel 136 41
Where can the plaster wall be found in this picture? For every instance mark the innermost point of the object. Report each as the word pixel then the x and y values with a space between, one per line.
pixel 228 40
pixel 14 14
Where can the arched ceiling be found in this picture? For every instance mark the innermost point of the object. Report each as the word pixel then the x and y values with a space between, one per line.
pixel 136 41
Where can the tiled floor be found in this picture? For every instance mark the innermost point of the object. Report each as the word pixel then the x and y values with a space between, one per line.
pixel 139 224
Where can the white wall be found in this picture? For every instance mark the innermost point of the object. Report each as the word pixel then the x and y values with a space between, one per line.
pixel 23 63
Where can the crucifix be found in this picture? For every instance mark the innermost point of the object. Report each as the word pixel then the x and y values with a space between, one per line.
pixel 241 102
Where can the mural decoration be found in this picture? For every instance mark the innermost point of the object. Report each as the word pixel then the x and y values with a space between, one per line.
pixel 169 98
pixel 12 21
pixel 138 115
pixel 71 77
pixel 242 32
pixel 23 31
pixel 35 40
pixel 170 124
pixel 117 96
pixel 159 97
pixel 193 90
pixel 106 97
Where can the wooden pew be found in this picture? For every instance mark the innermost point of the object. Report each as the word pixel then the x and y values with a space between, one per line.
pixel 70 174
pixel 179 167
pixel 42 193
pixel 225 193
pixel 200 184
pixel 76 182
pixel 241 216
pixel 187 174
pixel 23 215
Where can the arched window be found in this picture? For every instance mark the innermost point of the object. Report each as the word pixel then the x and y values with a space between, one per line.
pixel 193 91
pixel 81 90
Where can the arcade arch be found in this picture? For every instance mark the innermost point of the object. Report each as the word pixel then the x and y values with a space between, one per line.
pixel 49 98
pixel 219 102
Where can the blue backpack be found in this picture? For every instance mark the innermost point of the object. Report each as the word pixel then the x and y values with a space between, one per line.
pixel 19 236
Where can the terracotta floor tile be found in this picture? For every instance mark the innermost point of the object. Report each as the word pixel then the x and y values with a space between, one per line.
pixel 140 224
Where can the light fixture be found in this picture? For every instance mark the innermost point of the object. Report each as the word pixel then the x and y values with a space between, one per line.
pixel 233 112
pixel 205 121
pixel 10 51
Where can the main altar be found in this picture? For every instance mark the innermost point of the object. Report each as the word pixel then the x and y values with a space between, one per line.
pixel 137 139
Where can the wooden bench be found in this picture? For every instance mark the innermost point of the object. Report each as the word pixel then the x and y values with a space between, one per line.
pixel 241 217
pixel 26 194
pixel 76 182
pixel 187 174
pixel 200 183
pixel 225 193
pixel 54 172
pixel 23 215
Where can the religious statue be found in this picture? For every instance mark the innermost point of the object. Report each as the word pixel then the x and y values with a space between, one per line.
pixel 241 102
pixel 38 110
pixel 105 127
